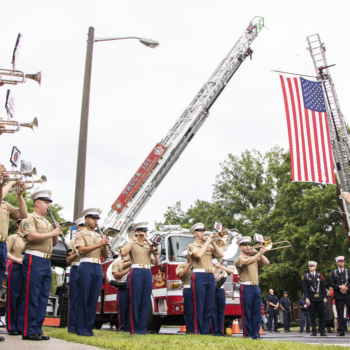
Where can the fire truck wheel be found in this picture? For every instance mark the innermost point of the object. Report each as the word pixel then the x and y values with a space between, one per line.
pixel 98 324
pixel 153 322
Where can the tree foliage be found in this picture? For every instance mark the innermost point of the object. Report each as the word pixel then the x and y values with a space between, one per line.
pixel 254 194
pixel 12 199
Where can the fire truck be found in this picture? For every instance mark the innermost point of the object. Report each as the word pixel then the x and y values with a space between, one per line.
pixel 166 303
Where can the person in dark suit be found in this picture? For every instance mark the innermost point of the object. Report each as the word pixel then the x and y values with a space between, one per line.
pixel 315 293
pixel 339 279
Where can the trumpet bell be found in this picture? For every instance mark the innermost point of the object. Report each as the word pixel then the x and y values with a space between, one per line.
pixel 36 77
pixel 221 244
pixel 269 246
pixel 33 125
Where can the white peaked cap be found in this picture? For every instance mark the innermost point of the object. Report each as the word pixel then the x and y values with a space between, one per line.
pixel 339 258
pixel 80 221
pixel 44 195
pixel 244 239
pixel 196 227
pixel 312 263
pixel 141 226
pixel 92 212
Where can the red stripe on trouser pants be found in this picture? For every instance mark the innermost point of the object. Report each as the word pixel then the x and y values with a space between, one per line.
pixel 195 306
pixel 9 298
pixel 131 319
pixel 27 296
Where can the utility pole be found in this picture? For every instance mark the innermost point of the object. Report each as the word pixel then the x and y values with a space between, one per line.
pixel 84 121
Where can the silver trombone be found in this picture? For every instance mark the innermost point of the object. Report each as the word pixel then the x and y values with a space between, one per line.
pixel 13 126
pixel 20 77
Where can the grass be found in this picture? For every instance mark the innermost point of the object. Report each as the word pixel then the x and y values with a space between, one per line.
pixel 114 340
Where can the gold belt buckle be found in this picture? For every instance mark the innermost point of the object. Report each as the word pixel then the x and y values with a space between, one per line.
pixel 95 261
pixel 143 266
pixel 47 256
pixel 254 283
pixel 208 271
pixel 2 239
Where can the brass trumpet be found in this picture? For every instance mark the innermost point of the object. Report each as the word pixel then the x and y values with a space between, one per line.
pixel 29 184
pixel 15 175
pixel 268 244
pixel 222 239
pixel 16 126
pixel 19 75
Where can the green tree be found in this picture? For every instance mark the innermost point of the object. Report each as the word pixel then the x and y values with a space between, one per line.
pixel 12 199
pixel 254 193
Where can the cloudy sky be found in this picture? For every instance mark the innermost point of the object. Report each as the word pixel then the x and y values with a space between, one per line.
pixel 137 93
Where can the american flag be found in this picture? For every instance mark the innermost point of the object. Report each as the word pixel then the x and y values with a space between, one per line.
pixel 309 142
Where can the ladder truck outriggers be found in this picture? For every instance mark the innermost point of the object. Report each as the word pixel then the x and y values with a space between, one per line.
pixel 166 302
pixel 340 141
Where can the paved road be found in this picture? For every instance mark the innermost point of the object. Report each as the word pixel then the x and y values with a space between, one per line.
pixel 331 339
pixel 15 343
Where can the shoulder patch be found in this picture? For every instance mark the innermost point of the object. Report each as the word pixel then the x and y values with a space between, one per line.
pixel 25 226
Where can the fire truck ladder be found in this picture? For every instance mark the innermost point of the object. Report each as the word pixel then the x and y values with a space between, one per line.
pixel 184 129
pixel 337 127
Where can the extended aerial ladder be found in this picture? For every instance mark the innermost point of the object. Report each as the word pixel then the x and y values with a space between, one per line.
pixel 170 148
pixel 337 126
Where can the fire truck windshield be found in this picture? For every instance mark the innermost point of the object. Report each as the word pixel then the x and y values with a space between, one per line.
pixel 176 245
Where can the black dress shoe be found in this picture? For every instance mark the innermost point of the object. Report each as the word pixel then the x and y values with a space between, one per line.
pixel 277 331
pixel 32 337
pixel 330 331
pixel 323 335
pixel 43 337
pixel 340 335
pixel 12 333
pixel 313 334
pixel 301 331
pixel 2 338
pixel 19 332
pixel 307 331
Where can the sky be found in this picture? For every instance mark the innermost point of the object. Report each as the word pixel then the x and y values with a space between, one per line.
pixel 138 93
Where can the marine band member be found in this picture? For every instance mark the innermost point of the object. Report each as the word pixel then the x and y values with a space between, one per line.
pixel 91 247
pixel 184 272
pixel 202 280
pixel 15 285
pixel 120 269
pixel 247 267
pixel 140 250
pixel 7 212
pixel 40 239
pixel 315 293
pixel 73 260
pixel 339 279
pixel 218 319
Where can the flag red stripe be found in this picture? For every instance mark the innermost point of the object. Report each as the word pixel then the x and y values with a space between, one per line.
pixel 329 148
pixel 302 130
pixel 296 134
pixel 316 147
pixel 310 144
pixel 288 124
pixel 323 147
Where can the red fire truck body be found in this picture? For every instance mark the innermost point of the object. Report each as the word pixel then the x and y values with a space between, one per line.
pixel 166 306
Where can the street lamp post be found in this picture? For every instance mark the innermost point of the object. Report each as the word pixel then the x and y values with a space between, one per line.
pixel 83 134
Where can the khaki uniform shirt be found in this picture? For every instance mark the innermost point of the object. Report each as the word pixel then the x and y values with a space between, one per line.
pixel 71 245
pixel 35 223
pixel 15 245
pixel 84 239
pixel 141 254
pixel 248 273
pixel 206 261
pixel 7 212
pixel 187 278
pixel 118 267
